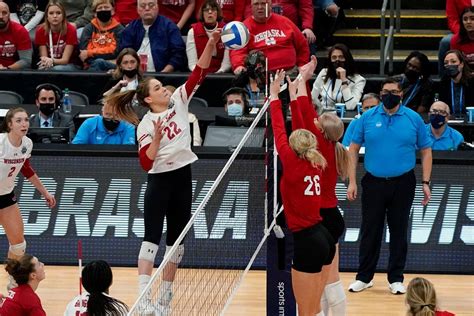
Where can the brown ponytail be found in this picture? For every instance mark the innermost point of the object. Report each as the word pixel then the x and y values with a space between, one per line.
pixel 121 105
pixel 20 269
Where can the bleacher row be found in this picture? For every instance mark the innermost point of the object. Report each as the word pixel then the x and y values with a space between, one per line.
pixel 91 85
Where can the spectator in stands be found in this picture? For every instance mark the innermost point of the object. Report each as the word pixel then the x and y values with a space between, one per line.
pixel 28 13
pixel 253 79
pixel 464 39
pixel 156 39
pixel 339 82
pixel 28 272
pixel 298 11
pixel 236 105
pixel 178 11
pixel 127 75
pixel 97 278
pixel 456 87
pixel 454 9
pixel 392 134
pixel 442 136
pixel 100 39
pixel 15 44
pixel 105 129
pixel 79 13
pixel 232 10
pixel 369 101
pixel 209 20
pixel 126 11
pixel 56 40
pixel 276 36
pixel 48 100
pixel 421 299
pixel 416 84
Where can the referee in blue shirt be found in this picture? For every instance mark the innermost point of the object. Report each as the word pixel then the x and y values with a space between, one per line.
pixel 391 134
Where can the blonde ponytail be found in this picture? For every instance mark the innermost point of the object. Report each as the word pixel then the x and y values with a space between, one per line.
pixel 342 161
pixel 421 298
pixel 304 144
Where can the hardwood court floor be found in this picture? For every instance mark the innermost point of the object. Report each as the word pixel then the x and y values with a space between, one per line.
pixel 455 292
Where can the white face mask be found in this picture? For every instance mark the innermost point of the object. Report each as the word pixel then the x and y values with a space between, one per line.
pixel 234 109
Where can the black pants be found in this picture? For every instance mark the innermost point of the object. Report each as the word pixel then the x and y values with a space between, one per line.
pixel 392 197
pixel 167 194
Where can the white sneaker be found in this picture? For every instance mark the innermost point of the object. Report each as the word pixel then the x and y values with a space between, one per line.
pixel 397 288
pixel 359 286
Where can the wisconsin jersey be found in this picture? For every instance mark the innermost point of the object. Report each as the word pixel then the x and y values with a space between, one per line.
pixel 175 146
pixel 12 159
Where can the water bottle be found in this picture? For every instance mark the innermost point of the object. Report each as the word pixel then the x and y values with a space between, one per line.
pixel 67 108
pixel 436 97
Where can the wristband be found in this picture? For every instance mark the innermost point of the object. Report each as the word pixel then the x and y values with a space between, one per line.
pixel 426 182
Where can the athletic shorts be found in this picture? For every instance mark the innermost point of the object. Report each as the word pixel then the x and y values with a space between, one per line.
pixel 333 221
pixel 313 247
pixel 7 200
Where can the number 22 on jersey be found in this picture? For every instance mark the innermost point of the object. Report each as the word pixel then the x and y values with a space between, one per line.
pixel 172 130
pixel 313 187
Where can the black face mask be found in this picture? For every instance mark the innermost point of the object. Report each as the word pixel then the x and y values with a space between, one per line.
pixel 3 24
pixel 110 124
pixel 130 73
pixel 390 100
pixel 104 16
pixel 412 75
pixel 452 70
pixel 338 64
pixel 47 108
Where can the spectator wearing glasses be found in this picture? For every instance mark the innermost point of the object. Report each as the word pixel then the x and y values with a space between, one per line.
pixel 416 84
pixel 210 19
pixel 156 39
pixel 456 87
pixel 369 101
pixel 392 134
pixel 105 129
pixel 232 10
pixel 443 136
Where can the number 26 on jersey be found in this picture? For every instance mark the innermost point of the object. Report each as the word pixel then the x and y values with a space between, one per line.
pixel 313 187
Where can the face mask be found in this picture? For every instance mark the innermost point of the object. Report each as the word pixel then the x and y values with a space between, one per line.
pixel 437 120
pixel 412 75
pixel 110 124
pixel 234 109
pixel 46 108
pixel 338 64
pixel 390 100
pixel 130 73
pixel 104 16
pixel 452 70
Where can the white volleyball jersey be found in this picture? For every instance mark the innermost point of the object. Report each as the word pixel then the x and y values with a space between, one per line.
pixel 11 161
pixel 175 146
pixel 75 308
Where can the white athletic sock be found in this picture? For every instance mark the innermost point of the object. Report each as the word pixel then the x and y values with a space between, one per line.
pixel 321 313
pixel 165 292
pixel 336 298
pixel 143 280
pixel 324 304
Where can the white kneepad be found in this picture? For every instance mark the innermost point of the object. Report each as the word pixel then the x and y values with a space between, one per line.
pixel 335 293
pixel 177 256
pixel 148 251
pixel 18 249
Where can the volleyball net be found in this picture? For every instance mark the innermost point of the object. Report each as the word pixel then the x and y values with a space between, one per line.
pixel 210 273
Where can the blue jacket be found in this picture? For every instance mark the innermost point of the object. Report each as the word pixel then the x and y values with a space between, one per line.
pixel 93 132
pixel 167 46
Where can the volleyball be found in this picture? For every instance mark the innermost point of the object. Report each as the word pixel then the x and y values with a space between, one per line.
pixel 235 35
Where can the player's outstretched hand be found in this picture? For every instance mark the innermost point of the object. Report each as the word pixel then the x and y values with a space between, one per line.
pixel 307 70
pixel 275 83
pixel 216 35
pixel 293 86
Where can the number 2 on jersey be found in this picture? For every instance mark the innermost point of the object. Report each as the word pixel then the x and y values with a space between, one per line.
pixel 172 130
pixel 12 170
pixel 313 188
